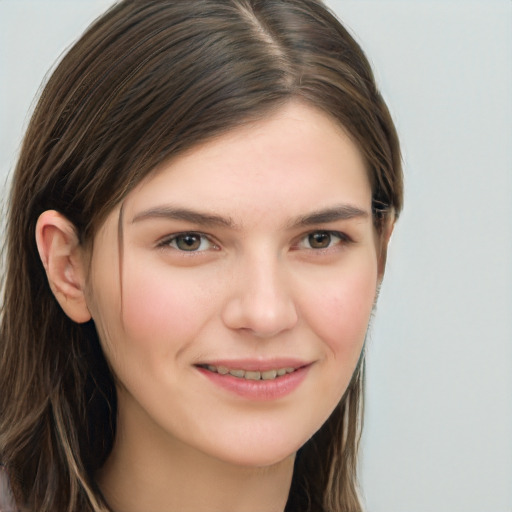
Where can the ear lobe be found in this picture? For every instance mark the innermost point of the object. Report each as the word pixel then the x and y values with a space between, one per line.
pixel 63 260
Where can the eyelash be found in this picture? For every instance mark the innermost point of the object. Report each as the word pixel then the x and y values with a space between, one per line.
pixel 342 239
pixel 172 241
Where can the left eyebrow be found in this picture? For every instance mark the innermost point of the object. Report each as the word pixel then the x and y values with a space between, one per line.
pixel 342 212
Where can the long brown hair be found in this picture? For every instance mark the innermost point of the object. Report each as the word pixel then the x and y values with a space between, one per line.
pixel 148 80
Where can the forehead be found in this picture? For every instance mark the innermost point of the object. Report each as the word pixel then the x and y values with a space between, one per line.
pixel 286 163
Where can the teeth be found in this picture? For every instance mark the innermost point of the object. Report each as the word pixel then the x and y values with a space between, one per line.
pixel 269 375
pixel 251 375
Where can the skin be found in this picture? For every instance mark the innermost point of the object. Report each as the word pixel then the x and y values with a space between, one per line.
pixel 253 287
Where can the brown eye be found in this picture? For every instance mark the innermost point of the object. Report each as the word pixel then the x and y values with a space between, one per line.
pixel 190 242
pixel 319 239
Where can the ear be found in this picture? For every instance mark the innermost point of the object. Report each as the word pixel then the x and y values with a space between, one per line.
pixel 63 260
pixel 385 236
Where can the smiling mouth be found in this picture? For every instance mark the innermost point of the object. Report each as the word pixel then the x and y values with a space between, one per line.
pixel 249 374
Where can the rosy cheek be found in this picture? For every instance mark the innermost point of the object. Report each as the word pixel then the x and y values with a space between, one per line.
pixel 161 307
pixel 344 312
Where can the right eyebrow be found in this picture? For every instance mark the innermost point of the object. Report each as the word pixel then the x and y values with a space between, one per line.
pixel 185 214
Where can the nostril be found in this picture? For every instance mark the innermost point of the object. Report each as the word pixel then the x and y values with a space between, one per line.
pixel 265 319
pixel 259 301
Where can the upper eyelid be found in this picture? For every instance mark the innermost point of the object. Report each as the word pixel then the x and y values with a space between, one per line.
pixel 340 234
pixel 344 239
pixel 165 240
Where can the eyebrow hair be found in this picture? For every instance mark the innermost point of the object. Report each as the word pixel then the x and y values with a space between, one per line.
pixel 341 212
pixel 195 217
pixel 324 216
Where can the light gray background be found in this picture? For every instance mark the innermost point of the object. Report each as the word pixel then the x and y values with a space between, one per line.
pixel 438 433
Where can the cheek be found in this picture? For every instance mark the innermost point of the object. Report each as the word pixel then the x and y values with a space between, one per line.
pixel 340 314
pixel 162 305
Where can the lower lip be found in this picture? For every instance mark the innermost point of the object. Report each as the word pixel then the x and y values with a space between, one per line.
pixel 260 390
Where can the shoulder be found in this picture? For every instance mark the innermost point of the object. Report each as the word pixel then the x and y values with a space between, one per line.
pixel 6 498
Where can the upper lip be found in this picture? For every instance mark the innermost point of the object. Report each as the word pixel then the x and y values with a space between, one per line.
pixel 257 364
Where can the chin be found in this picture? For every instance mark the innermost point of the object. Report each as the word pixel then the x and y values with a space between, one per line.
pixel 259 453
pixel 260 460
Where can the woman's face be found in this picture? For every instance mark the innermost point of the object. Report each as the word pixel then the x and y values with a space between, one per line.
pixel 234 307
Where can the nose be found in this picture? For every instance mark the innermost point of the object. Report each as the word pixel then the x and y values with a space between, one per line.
pixel 260 300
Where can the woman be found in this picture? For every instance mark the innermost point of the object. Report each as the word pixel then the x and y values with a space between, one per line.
pixel 197 231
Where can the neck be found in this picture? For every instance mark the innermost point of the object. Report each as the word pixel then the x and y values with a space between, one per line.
pixel 150 470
